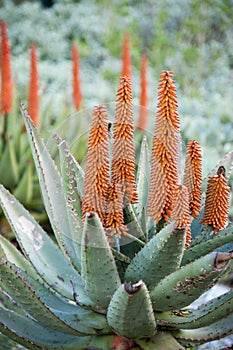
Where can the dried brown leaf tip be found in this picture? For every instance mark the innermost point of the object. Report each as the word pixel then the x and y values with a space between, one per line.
pixel 181 213
pixel 123 159
pixel 114 222
pixel 97 168
pixel 217 201
pixel 193 176
pixel 164 161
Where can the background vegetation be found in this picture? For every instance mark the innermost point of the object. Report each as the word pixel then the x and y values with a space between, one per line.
pixel 193 38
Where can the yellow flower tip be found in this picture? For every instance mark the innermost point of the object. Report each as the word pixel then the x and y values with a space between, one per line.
pixel 217 201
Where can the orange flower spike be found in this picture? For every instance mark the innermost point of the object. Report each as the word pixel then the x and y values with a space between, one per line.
pixel 193 176
pixel 77 94
pixel 123 159
pixel 143 112
pixel 217 201
pixel 126 56
pixel 33 97
pixel 164 161
pixel 96 181
pixel 114 222
pixel 180 212
pixel 6 79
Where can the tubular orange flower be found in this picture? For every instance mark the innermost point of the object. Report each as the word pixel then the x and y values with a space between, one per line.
pixel 217 201
pixel 97 169
pixel 143 112
pixel 164 162
pixel 33 97
pixel 193 176
pixel 6 79
pixel 77 94
pixel 123 160
pixel 114 222
pixel 180 212
pixel 126 57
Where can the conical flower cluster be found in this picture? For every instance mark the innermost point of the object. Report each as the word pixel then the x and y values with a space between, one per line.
pixel 126 57
pixel 143 111
pixel 77 94
pixel 123 158
pixel 6 78
pixel 217 201
pixel 33 97
pixel 97 168
pixel 164 163
pixel 193 176
pixel 180 212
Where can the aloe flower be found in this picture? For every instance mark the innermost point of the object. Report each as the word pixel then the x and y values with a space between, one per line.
pixel 123 160
pixel 193 176
pixel 97 169
pixel 143 111
pixel 33 97
pixel 164 162
pixel 126 56
pixel 217 201
pixel 77 94
pixel 6 78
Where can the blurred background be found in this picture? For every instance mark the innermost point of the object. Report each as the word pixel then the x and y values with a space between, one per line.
pixel 192 38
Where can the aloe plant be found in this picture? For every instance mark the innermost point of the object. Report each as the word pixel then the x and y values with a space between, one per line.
pixel 117 278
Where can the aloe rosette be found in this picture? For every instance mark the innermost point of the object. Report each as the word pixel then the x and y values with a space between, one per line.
pixel 117 280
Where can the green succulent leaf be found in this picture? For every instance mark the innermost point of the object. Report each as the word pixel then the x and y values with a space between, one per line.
pixel 39 248
pixel 130 312
pixel 10 176
pixel 24 190
pixel 215 331
pixel 99 272
pixel 204 315
pixel 13 282
pixel 132 223
pixel 158 258
pixel 76 317
pixel 32 334
pixel 51 188
pixel 159 341
pixel 186 284
pixel 143 176
pixel 72 176
pixel 216 241
pixel 13 255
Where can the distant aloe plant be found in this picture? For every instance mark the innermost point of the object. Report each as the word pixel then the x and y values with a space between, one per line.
pixel 118 278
